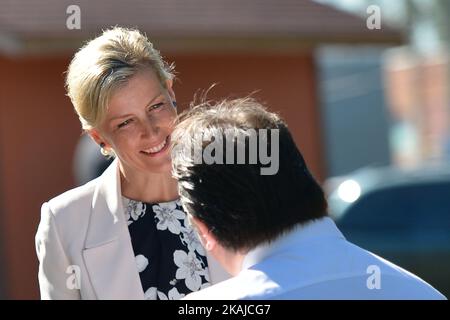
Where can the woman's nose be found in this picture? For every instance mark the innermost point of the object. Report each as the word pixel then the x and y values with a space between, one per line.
pixel 149 128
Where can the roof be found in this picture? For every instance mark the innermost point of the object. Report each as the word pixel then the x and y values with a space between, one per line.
pixel 299 21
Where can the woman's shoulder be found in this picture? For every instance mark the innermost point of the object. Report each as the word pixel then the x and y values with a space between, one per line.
pixel 73 199
pixel 67 215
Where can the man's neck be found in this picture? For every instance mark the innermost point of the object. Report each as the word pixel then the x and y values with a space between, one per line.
pixel 230 260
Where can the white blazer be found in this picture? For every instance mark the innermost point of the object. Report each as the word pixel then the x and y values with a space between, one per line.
pixel 84 246
pixel 315 261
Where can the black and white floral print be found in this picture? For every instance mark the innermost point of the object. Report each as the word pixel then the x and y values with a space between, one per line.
pixel 133 210
pixel 169 256
pixel 169 216
pixel 190 238
pixel 141 262
pixel 190 269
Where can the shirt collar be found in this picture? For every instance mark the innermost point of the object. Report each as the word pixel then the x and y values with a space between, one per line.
pixel 320 228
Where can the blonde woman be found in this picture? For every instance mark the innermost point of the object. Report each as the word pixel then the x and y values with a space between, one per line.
pixel 123 235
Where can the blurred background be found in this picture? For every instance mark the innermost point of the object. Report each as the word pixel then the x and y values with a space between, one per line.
pixel 363 85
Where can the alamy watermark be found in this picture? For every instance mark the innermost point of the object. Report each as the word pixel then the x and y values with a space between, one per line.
pixel 73 21
pixel 373 21
pixel 233 146
pixel 73 281
pixel 374 280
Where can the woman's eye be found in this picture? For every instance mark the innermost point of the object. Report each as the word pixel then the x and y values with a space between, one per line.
pixel 123 124
pixel 156 106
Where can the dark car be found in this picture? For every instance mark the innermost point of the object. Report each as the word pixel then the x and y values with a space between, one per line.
pixel 401 215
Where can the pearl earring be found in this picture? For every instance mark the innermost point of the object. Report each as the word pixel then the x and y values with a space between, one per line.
pixel 103 151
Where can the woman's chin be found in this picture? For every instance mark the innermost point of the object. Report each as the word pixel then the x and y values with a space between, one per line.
pixel 162 165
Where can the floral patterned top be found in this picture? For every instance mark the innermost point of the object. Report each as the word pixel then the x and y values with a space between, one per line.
pixel 169 257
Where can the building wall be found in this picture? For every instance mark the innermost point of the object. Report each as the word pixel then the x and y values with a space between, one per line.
pixel 418 93
pixel 39 131
pixel 354 112
pixel 285 82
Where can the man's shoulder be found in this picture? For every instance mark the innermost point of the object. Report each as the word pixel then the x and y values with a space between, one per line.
pixel 395 281
pixel 413 286
pixel 248 284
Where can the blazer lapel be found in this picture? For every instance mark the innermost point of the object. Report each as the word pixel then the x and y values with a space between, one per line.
pixel 108 252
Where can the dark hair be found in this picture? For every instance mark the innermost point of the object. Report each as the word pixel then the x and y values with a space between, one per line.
pixel 242 207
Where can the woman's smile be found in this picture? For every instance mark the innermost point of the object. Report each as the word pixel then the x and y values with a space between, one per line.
pixel 158 149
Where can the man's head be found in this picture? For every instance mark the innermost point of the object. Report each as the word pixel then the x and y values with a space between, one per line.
pixel 234 203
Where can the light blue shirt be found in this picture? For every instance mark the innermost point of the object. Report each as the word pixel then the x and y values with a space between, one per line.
pixel 315 261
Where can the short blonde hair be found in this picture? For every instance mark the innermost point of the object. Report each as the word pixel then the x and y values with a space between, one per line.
pixel 106 63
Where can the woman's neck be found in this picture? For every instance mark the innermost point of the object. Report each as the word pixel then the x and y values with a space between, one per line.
pixel 148 187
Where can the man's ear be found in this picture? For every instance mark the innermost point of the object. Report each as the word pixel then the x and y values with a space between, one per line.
pixel 206 237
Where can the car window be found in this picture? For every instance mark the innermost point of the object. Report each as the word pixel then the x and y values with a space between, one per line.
pixel 402 208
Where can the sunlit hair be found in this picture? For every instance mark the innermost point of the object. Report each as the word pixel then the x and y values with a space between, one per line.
pixel 106 63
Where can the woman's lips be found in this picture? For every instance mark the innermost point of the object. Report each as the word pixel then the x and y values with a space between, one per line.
pixel 157 149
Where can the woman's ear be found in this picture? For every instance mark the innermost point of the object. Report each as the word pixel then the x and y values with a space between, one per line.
pixel 95 135
pixel 169 84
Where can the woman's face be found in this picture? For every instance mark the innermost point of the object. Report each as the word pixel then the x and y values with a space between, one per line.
pixel 138 124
